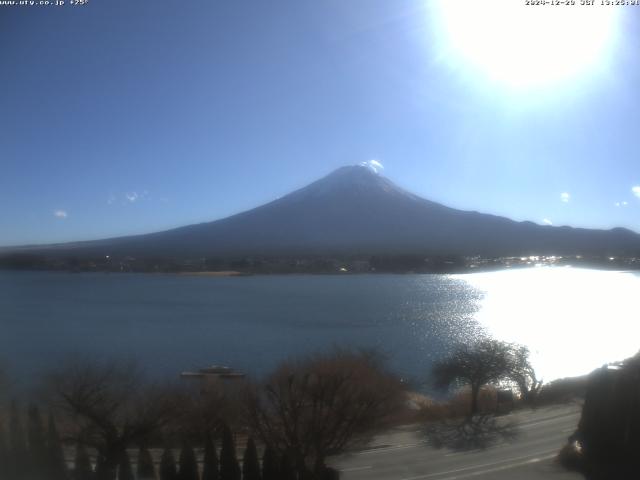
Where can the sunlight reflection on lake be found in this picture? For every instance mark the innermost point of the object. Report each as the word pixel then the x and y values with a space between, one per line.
pixel 573 320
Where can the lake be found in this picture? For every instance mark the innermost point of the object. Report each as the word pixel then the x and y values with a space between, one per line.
pixel 573 320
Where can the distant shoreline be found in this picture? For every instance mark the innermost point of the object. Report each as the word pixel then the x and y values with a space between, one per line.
pixel 236 273
pixel 313 265
pixel 213 273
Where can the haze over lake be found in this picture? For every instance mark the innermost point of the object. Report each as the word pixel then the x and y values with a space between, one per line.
pixel 573 320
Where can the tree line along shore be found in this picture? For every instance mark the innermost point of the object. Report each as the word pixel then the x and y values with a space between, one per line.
pixel 318 264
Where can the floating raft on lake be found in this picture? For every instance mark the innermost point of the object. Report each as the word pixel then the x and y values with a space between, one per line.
pixel 214 372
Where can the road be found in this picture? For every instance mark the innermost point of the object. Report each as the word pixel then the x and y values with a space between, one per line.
pixel 405 454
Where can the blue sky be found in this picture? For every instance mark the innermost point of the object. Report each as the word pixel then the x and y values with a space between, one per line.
pixel 123 117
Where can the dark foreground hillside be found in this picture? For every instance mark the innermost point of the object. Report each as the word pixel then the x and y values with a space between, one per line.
pixel 607 441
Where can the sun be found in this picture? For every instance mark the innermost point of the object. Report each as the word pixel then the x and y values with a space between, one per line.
pixel 523 45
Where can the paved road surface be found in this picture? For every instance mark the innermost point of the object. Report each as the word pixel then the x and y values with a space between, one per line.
pixel 405 455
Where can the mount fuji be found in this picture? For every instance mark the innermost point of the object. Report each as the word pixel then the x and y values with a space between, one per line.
pixel 355 210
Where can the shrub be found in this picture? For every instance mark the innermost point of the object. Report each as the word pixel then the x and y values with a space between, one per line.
pixel 168 469
pixel 57 466
pixel 229 467
pixel 125 472
pixel 146 470
pixel 188 464
pixel 211 468
pixel 82 470
pixel 250 463
pixel 270 464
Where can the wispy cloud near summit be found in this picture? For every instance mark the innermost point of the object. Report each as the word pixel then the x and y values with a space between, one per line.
pixel 126 198
pixel 374 165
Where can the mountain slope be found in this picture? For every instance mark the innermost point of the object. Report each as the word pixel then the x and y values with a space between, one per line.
pixel 355 210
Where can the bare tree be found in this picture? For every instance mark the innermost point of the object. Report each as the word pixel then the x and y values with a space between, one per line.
pixel 321 405
pixel 204 411
pixel 485 362
pixel 110 407
pixel 523 374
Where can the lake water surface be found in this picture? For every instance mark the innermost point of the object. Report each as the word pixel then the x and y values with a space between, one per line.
pixel 573 320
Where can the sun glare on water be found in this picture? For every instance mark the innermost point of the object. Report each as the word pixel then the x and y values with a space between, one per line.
pixel 522 45
pixel 573 320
